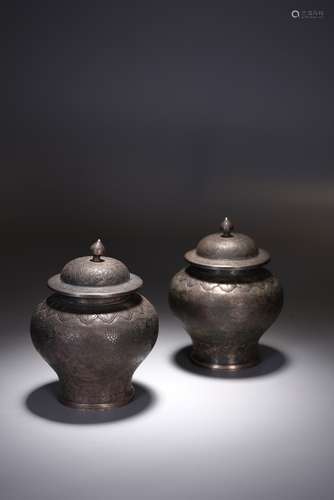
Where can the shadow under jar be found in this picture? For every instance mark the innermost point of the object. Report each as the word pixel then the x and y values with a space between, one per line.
pixel 95 330
pixel 226 299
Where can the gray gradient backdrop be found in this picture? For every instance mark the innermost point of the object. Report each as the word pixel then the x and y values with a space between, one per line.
pixel 145 124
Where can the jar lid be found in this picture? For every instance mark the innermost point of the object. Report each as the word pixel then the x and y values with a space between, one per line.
pixel 95 276
pixel 227 250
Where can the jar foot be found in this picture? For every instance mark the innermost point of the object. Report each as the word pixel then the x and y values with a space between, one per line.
pixel 117 402
pixel 226 367
pixel 218 357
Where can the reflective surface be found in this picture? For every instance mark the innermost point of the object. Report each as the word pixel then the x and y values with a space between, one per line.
pixel 95 346
pixel 225 313
pixel 251 437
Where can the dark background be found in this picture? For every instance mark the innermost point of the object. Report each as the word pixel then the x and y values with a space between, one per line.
pixel 145 123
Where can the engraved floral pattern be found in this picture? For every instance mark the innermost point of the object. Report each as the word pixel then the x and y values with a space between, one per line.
pixel 45 312
pixel 189 282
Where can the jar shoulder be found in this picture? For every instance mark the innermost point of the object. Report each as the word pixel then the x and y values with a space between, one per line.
pixel 187 281
pixel 52 309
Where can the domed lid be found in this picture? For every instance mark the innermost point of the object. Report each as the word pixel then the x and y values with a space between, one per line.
pixel 227 250
pixel 95 276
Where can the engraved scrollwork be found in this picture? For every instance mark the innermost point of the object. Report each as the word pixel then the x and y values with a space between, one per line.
pixel 186 280
pixel 111 335
pixel 207 286
pixel 108 318
pixel 46 312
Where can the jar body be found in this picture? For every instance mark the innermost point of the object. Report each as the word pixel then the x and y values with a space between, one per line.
pixel 94 346
pixel 225 313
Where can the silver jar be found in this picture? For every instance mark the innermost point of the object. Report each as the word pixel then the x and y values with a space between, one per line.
pixel 226 299
pixel 95 330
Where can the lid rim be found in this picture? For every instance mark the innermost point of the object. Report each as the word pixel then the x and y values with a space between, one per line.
pixel 56 284
pixel 263 257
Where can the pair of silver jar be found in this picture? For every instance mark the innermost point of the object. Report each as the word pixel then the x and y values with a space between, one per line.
pixel 96 329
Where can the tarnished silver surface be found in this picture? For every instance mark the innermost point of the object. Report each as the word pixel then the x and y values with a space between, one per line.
pixel 56 284
pixel 95 276
pixel 226 308
pixel 88 272
pixel 95 337
pixel 227 250
pixel 261 258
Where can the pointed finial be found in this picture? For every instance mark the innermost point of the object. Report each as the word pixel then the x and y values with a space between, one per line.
pixel 97 250
pixel 226 227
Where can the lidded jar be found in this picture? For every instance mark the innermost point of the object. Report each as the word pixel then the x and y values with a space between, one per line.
pixel 95 330
pixel 226 299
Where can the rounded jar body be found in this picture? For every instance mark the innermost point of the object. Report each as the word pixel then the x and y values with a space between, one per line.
pixel 225 313
pixel 94 345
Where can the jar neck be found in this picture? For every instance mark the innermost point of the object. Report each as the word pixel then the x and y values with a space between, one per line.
pixel 92 305
pixel 225 275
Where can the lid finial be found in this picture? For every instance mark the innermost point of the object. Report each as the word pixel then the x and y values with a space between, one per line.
pixel 97 250
pixel 226 226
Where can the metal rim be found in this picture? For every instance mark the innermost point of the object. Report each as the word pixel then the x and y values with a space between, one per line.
pixel 226 368
pixel 261 258
pixel 56 284
pixel 100 406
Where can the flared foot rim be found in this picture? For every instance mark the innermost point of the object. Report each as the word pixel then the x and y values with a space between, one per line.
pixel 99 406
pixel 227 368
